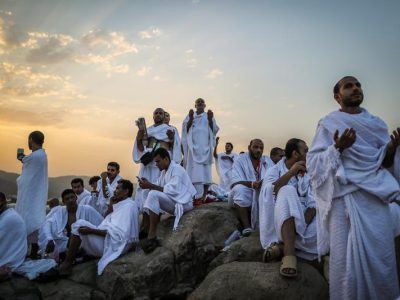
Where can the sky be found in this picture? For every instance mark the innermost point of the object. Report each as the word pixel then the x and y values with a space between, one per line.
pixel 83 71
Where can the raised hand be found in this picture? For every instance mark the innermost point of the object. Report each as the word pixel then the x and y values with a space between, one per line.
pixel 346 140
pixel 217 140
pixel 104 175
pixel 191 114
pixel 210 115
pixel 171 134
pixel 395 138
pixel 298 167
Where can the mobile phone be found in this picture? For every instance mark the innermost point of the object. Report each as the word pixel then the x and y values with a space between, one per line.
pixel 20 153
pixel 138 178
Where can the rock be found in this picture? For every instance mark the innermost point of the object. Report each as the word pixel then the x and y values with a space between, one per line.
pixel 244 249
pixel 85 273
pixel 65 289
pixel 256 280
pixel 19 288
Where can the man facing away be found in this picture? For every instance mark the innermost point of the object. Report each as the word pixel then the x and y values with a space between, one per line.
pixel 83 195
pixel 33 189
pixel 172 193
pixel 287 210
pixel 56 230
pixel 348 163
pixel 198 140
pixel 115 235
pixel 106 187
pixel 248 171
pixel 224 162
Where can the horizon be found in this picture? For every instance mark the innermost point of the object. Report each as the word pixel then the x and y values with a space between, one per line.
pixel 82 72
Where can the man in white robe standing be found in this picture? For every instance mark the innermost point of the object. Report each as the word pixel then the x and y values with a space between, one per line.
pixel 33 189
pixel 84 197
pixel 116 235
pixel 199 130
pixel 248 171
pixel 159 135
pixel 224 162
pixel 348 163
pixel 106 187
pixel 56 230
pixel 287 210
pixel 173 193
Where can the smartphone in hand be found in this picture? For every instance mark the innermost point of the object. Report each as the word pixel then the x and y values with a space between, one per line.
pixel 20 153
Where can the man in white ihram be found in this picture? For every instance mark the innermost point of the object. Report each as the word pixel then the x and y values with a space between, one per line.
pixel 33 189
pixel 198 140
pixel 348 163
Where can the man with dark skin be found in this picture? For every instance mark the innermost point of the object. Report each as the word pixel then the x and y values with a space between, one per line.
pixel 198 140
pixel 276 154
pixel 247 177
pixel 351 152
pixel 83 194
pixel 224 162
pixel 106 185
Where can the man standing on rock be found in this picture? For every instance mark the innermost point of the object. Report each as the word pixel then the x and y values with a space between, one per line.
pixel 33 189
pixel 348 163
pixel 287 210
pixel 248 171
pixel 198 140
pixel 172 193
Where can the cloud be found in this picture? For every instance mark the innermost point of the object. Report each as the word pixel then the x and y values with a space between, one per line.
pixel 214 73
pixel 190 60
pixel 143 71
pixel 10 35
pixel 23 81
pixel 150 33
pixel 15 116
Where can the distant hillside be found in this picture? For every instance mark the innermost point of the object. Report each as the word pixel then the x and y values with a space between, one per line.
pixel 8 184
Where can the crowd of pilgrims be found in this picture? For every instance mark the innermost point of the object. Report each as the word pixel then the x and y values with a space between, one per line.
pixel 336 202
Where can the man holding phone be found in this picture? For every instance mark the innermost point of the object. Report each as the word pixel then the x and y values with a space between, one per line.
pixel 33 188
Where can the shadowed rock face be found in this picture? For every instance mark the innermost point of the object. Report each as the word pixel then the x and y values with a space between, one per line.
pixel 255 280
pixel 174 270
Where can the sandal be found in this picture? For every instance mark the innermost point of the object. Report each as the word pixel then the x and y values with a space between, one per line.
pixel 273 252
pixel 247 231
pixel 289 266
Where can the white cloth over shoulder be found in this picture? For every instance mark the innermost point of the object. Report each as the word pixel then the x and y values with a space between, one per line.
pixel 33 190
pixel 13 245
pixel 224 169
pixel 53 228
pixel 198 144
pixel 84 198
pixel 292 200
pixel 178 187
pixel 103 200
pixel 243 170
pixel 352 192
pixel 150 171
pixel 122 227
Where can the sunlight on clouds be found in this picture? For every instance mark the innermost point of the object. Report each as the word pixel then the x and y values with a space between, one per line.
pixel 143 71
pixel 150 33
pixel 214 73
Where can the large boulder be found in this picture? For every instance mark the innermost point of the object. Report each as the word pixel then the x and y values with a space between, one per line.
pixel 256 280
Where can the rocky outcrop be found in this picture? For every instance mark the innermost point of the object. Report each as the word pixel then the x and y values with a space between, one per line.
pixel 174 270
pixel 256 280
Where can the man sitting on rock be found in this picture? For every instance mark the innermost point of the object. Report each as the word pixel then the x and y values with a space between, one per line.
pixel 55 232
pixel 248 171
pixel 276 154
pixel 84 196
pixel 173 193
pixel 287 210
pixel 114 236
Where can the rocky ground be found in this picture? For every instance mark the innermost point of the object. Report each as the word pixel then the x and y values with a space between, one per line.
pixel 189 264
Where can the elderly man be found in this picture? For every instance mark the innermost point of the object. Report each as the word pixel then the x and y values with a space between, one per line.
pixel 172 193
pixel 287 210
pixel 348 163
pixel 248 171
pixel 198 140
pixel 56 230
pixel 33 189
pixel 115 235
